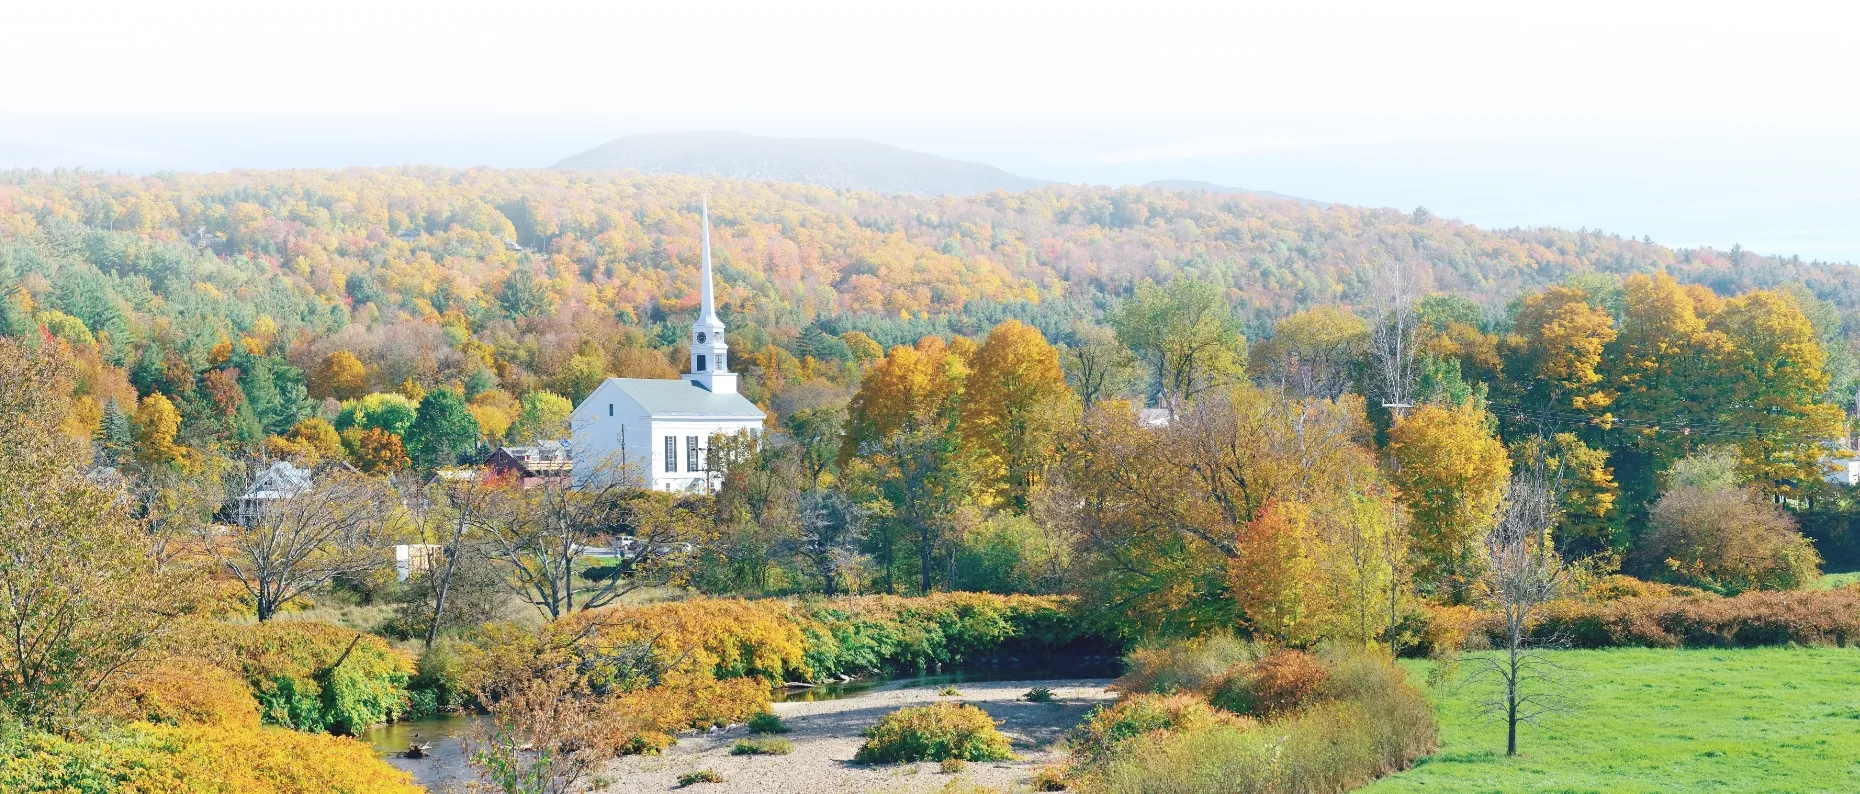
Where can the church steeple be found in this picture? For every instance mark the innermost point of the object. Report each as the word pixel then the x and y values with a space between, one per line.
pixel 709 355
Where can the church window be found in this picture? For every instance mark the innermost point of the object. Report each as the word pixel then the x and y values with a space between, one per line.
pixel 700 366
pixel 691 453
pixel 720 366
pixel 702 337
pixel 671 453
pixel 610 409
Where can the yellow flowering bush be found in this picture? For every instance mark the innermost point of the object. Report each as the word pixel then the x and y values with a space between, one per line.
pixel 222 759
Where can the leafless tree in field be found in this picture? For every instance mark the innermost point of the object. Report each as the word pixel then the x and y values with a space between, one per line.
pixel 1523 572
pixel 285 538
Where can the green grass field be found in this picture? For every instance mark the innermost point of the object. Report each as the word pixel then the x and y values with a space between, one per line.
pixel 1830 581
pixel 1763 720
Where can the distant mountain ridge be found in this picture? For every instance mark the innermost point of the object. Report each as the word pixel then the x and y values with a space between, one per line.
pixel 840 163
pixel 1193 184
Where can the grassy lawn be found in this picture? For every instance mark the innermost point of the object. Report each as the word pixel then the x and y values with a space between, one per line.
pixel 1764 720
pixel 1830 581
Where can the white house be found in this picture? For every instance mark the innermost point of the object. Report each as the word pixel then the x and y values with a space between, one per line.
pixel 271 486
pixel 1842 469
pixel 660 430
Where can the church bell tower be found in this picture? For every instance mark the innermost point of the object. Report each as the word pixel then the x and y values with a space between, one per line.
pixel 709 355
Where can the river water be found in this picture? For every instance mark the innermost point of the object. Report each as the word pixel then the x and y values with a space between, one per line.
pixel 444 766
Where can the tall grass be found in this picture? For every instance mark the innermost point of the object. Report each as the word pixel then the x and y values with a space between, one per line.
pixel 1331 724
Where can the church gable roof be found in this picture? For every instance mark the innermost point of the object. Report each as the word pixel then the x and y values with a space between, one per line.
pixel 678 399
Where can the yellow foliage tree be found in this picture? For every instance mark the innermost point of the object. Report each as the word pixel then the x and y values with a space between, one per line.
pixel 340 375
pixel 1775 373
pixel 1016 402
pixel 156 424
pixel 1660 368
pixel 901 437
pixel 311 440
pixel 495 411
pixel 1312 352
pixel 862 347
pixel 1556 350
pixel 913 388
pixel 1450 474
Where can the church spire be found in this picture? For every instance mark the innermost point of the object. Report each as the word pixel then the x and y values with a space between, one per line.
pixel 710 363
pixel 708 312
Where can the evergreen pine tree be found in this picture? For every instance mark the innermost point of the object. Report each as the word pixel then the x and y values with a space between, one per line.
pixel 116 437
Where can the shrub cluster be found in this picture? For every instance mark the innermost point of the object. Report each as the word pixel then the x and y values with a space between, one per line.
pixel 654 714
pixel 762 746
pixel 226 759
pixel 194 720
pixel 894 634
pixel 314 676
pixel 1801 617
pixel 767 722
pixel 180 691
pixel 1282 682
pixel 937 732
pixel 1325 725
pixel 700 776
pixel 1192 665
pixel 1621 613
pixel 1107 730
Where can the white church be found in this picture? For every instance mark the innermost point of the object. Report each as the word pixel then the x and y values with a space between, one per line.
pixel 660 429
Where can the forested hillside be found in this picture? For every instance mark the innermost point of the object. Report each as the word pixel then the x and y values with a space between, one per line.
pixel 520 282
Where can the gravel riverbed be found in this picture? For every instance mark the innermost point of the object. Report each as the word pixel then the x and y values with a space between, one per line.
pixel 826 734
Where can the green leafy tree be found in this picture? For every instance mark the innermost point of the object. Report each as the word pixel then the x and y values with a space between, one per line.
pixel 385 411
pixel 1186 336
pixel 541 416
pixel 523 296
pixel 443 431
pixel 116 435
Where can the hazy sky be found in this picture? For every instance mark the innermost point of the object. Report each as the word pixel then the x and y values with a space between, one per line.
pixel 1695 123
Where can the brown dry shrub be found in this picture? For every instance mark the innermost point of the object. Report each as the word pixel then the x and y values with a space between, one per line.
pixel 1370 722
pixel 1799 617
pixel 1283 682
pixel 1446 629
pixel 1726 540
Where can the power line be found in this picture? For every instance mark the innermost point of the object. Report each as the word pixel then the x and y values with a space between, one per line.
pixel 1682 427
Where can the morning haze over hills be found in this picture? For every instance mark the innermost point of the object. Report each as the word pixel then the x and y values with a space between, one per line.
pixel 838 163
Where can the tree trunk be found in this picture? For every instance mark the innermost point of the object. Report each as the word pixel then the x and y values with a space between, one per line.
pixel 926 552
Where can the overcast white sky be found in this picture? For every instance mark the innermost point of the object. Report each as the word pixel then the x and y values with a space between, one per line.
pixel 1693 122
